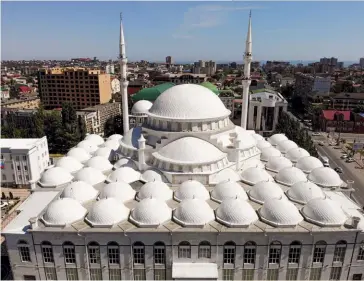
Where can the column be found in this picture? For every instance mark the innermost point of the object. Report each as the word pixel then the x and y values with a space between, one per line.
pixel 276 114
pixel 259 118
pixel 251 117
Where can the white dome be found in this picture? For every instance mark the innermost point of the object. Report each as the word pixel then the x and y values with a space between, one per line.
pixel 131 137
pixel 284 146
pixel 141 107
pixel 62 212
pixel 269 152
pixel 275 139
pixel 297 153
pixel 155 189
pixel 228 190
pixel 325 177
pixel 115 137
pixel 96 139
pixel 99 163
pixel 80 191
pixel 191 189
pixel 87 145
pixel 261 144
pixel 54 177
pixel 125 162
pixel 280 213
pixel 153 175
pixel 69 163
pixel 124 174
pixel 226 174
pixel 188 102
pixel 308 163
pixel 235 212
pixel 257 137
pixel 303 191
pixel 105 152
pixel 289 176
pixel 324 212
pixel 264 191
pixel 246 138
pixel 107 212
pixel 252 163
pixel 254 175
pixel 277 163
pixel 193 212
pixel 90 175
pixel 121 191
pixel 79 154
pixel 150 212
pixel 113 144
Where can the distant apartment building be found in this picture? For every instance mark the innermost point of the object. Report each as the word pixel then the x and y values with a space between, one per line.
pixel 169 60
pixel 79 86
pixel 5 93
pixel 115 85
pixel 361 62
pixel 204 67
pixel 25 103
pixel 180 78
pixel 110 68
pixel 255 64
pixel 308 86
pixel 19 118
pixel 347 101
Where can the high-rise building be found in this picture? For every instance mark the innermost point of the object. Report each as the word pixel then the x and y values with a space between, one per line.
pixel 169 60
pixel 205 67
pixel 361 62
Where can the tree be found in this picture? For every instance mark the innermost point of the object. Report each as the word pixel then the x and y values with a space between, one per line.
pixel 54 132
pixel 38 129
pixel 358 109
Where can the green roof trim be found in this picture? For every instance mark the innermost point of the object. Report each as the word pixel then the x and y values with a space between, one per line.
pixel 152 93
pixel 211 87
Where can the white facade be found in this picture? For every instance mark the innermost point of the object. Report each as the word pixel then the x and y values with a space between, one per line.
pixel 115 86
pixel 322 85
pixel 110 69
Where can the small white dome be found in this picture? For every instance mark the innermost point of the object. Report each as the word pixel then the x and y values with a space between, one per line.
pixel 261 144
pixel 191 189
pixel 62 212
pixel 79 154
pixel 254 175
pixel 105 152
pixel 90 175
pixel 228 190
pixel 226 174
pixel 235 212
pixel 193 212
pixel 325 177
pixel 55 176
pixel 275 139
pixel 121 191
pixel 277 163
pixel 246 138
pixel 324 212
pixel 284 146
pixel 150 212
pixel 113 144
pixel 87 145
pixel 124 174
pixel 155 189
pixel 289 176
pixel 280 213
pixel 115 137
pixel 107 212
pixel 297 153
pixel 80 191
pixel 141 107
pixel 69 163
pixel 153 175
pixel 99 163
pixel 264 191
pixel 308 163
pixel 269 152
pixel 96 139
pixel 303 191
pixel 257 137
pixel 125 162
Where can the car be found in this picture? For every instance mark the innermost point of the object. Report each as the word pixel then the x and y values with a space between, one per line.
pixel 338 170
pixel 350 160
pixel 321 143
pixel 316 134
pixel 344 156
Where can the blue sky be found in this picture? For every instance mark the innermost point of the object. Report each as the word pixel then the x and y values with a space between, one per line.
pixel 188 31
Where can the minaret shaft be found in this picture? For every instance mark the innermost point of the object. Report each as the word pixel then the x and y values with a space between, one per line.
pixel 123 78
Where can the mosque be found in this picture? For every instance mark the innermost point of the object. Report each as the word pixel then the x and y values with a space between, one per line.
pixel 187 195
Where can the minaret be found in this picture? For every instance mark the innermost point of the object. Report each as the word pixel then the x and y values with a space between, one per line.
pixel 123 79
pixel 141 152
pixel 246 80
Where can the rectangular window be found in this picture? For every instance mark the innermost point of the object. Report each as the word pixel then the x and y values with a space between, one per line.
pixel 159 255
pixel 71 274
pixel 204 252
pixel 94 254
pixel 292 273
pixel 184 252
pixel 50 273
pixel 228 274
pixel 361 253
pixel 25 168
pixel 95 274
pixel 249 255
pixel 335 273
pixel 17 158
pixel 248 274
pixel 294 254
pixel 138 255
pixel 69 255
pixel 159 274
pixel 47 253
pixel 229 255
pixel 24 158
pixel 24 254
pixel 315 273
pixel 20 178
pixel 139 274
pixel 18 167
pixel 339 254
pixel 273 274
pixel 113 253
pixel 114 274
pixel 319 254
pixel 274 255
pixel 4 177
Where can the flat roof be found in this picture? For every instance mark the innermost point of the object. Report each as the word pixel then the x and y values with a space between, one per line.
pixel 18 143
pixel 195 270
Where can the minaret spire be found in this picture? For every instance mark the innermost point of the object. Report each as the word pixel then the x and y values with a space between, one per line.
pixel 123 77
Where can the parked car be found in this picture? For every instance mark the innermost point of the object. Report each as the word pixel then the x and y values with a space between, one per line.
pixel 349 160
pixel 321 143
pixel 344 156
pixel 316 134
pixel 338 170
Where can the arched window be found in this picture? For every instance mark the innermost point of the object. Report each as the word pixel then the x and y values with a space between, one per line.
pixel 47 252
pixel 361 252
pixel 113 253
pixel 138 253
pixel 319 252
pixel 294 252
pixel 340 250
pixel 24 251
pixel 184 250
pixel 159 253
pixel 250 249
pixel 204 250
pixel 69 253
pixel 275 252
pixel 94 253
pixel 229 252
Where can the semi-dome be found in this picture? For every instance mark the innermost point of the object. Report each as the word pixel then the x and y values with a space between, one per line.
pixel 125 162
pixel 191 189
pixel 286 145
pixel 269 152
pixel 63 212
pixel 228 190
pixel 275 139
pixel 226 174
pixel 115 137
pixel 80 191
pixel 280 213
pixel 99 163
pixel 150 212
pixel 124 174
pixel 107 212
pixel 54 177
pixel 155 189
pixel 297 153
pixel 235 212
pixel 308 163
pixel 113 144
pixel 153 175
pixel 277 163
pixel 90 175
pixel 96 139
pixel 325 177
pixel 254 175
pixel 121 191
pixel 324 212
pixel 141 107
pixel 105 152
pixel 131 137
pixel 257 137
pixel 289 176
pixel 87 145
pixel 264 191
pixel 193 212
pixel 261 144
pixel 188 102
pixel 79 154
pixel 303 191
pixel 69 163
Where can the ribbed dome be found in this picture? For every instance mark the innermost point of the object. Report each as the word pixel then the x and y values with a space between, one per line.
pixel 254 175
pixel 69 163
pixel 153 175
pixel 141 107
pixel 228 190
pixel 155 189
pixel 280 213
pixel 115 137
pixel 124 174
pixel 275 139
pixel 289 176
pixel 269 152
pixel 297 153
pixel 79 154
pixel 257 137
pixel 113 144
pixel 277 163
pixel 107 212
pixel 308 163
pixel 324 212
pixel 236 213
pixel 125 162
pixel 99 163
pixel 87 145
pixel 325 177
pixel 80 191
pixel 261 144
pixel 303 191
pixel 191 189
pixel 55 177
pixel 286 145
pixel 150 212
pixel 121 191
pixel 96 139
pixel 105 152
pixel 90 175
pixel 62 212
pixel 193 212
pixel 264 191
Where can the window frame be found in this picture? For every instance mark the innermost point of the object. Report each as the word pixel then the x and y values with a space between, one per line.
pixel 50 273
pixel 335 273
pixel 93 249
pixel 228 272
pixel 204 250
pixel 47 252
pixel 69 252
pixel 294 253
pixel 113 253
pixel 275 252
pixel 24 251
pixel 319 252
pixel 184 250
pixel 138 253
pixel 159 253
pixel 250 251
pixel 70 272
pixel 339 252
pixel 229 253
pixel 360 256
